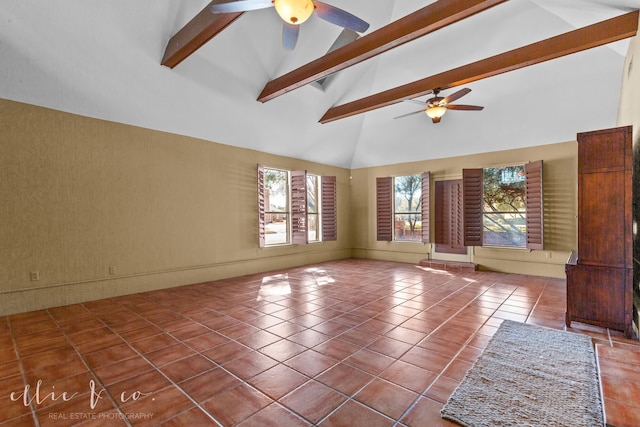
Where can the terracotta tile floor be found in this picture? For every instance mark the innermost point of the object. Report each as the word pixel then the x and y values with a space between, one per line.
pixel 345 343
pixel 620 381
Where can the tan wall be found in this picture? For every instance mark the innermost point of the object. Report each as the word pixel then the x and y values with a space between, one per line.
pixel 80 195
pixel 560 202
pixel 629 109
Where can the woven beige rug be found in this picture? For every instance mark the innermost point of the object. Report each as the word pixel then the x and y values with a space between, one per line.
pixel 530 376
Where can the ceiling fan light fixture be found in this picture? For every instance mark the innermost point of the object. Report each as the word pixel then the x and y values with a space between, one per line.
pixel 436 112
pixel 294 11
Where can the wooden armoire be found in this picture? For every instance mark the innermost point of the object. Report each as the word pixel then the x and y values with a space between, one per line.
pixel 600 272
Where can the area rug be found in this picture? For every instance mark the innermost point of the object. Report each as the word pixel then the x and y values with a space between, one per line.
pixel 530 376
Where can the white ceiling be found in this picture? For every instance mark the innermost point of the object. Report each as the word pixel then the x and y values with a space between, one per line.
pixel 102 59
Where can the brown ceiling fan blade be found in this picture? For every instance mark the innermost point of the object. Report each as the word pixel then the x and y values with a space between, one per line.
pixel 240 6
pixel 456 95
pixel 464 107
pixel 410 114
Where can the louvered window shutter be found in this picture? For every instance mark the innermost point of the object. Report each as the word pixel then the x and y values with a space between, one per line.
pixel 261 207
pixel 449 217
pixel 441 211
pixel 329 212
pixel 299 207
pixel 472 206
pixel 384 208
pixel 425 206
pixel 534 205
pixel 457 217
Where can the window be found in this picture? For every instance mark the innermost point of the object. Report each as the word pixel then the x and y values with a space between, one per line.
pixel 291 210
pixel 503 206
pixel 402 207
pixel 504 213
pixel 407 215
pixel 276 214
pixel 313 208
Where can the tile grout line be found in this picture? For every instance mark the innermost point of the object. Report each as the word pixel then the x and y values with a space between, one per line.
pixel 355 301
pixel 157 368
pixel 23 373
pixel 88 366
pixel 440 374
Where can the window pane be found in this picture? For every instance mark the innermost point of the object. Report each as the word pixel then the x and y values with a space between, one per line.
pixel 312 228
pixel 276 229
pixel 408 227
pixel 408 191
pixel 504 211
pixel 312 193
pixel 276 183
pixel 313 203
pixel 503 229
pixel 276 190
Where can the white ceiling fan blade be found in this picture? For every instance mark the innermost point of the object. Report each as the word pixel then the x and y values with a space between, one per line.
pixel 415 101
pixel 340 17
pixel 240 6
pixel 410 114
pixel 289 35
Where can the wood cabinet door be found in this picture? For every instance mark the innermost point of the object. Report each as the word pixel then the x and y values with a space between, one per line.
pixel 604 198
pixel 599 296
pixel 601 219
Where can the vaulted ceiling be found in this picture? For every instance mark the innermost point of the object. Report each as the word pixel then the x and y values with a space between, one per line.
pixel 105 60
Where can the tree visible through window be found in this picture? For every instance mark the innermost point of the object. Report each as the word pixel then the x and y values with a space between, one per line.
pixel 313 224
pixel 295 207
pixel 407 218
pixel 504 209
pixel 276 186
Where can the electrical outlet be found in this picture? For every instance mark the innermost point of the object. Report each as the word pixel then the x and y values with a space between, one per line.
pixel 112 270
pixel 35 275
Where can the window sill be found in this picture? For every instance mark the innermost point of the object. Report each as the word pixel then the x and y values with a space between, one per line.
pixel 509 248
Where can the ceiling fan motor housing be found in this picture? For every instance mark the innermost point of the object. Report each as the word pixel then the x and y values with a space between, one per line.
pixel 294 11
pixel 434 102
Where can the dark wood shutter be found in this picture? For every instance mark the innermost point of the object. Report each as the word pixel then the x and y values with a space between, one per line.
pixel 457 217
pixel 472 205
pixel 384 208
pixel 299 207
pixel 441 211
pixel 449 214
pixel 425 206
pixel 329 211
pixel 534 204
pixel 261 207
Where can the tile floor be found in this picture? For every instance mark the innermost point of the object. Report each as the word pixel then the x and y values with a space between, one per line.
pixel 345 343
pixel 620 383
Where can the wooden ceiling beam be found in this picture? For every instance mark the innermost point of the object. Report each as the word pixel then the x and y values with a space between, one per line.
pixel 599 34
pixel 416 24
pixel 202 28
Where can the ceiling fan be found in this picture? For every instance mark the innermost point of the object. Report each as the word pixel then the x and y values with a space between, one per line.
pixel 294 13
pixel 437 106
